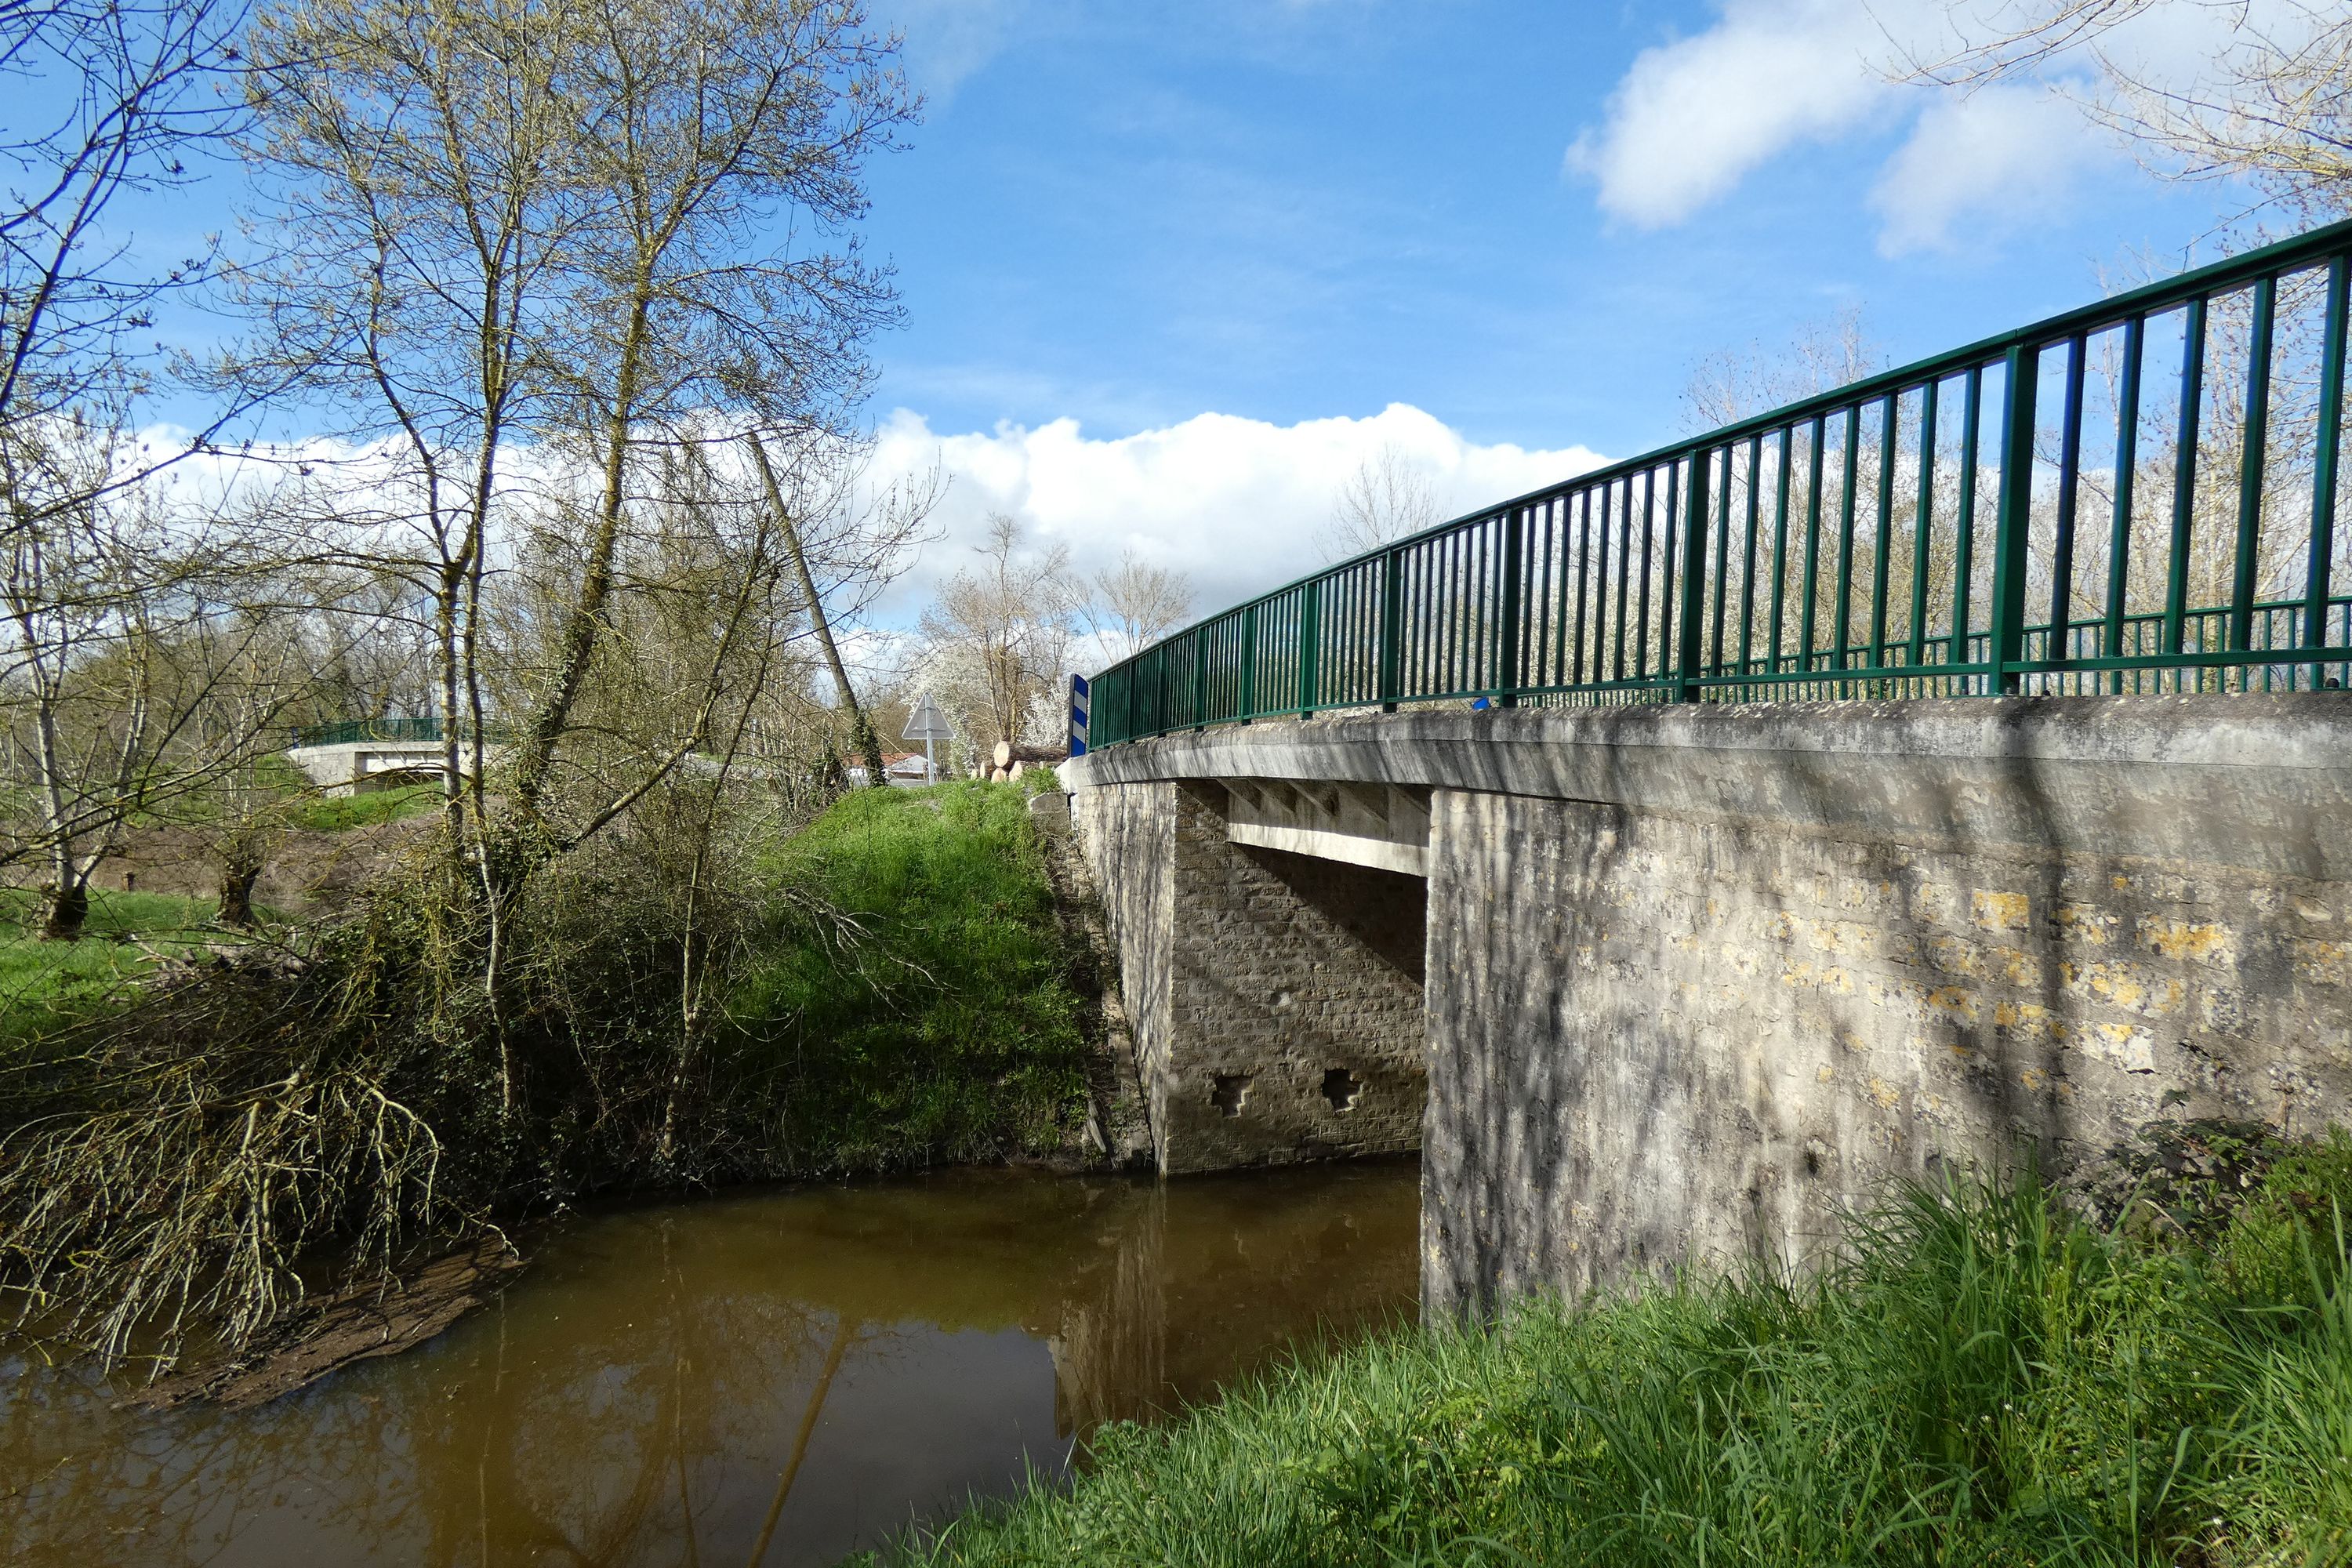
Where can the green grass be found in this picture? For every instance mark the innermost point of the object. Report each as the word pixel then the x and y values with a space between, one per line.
pixel 1988 1381
pixel 949 1030
pixel 337 814
pixel 46 984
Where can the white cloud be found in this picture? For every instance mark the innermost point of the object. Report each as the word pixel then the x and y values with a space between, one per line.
pixel 1693 118
pixel 1983 163
pixel 1233 504
pixel 949 40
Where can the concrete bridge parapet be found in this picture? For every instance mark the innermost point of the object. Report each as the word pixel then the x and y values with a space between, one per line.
pixel 1692 981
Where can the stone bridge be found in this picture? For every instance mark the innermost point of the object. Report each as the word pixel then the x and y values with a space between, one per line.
pixel 1668 984
pixel 1557 840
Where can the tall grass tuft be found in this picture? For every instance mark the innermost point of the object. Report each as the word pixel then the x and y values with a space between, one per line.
pixel 1984 1378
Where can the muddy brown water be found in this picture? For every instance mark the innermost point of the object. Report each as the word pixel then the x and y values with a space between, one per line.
pixel 781 1378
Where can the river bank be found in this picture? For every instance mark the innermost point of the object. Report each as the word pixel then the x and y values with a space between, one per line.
pixel 1991 1379
pixel 213 1149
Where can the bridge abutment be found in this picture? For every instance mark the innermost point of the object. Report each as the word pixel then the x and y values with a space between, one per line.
pixel 1276 997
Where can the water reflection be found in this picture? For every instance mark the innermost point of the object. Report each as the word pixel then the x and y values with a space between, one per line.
pixel 777 1378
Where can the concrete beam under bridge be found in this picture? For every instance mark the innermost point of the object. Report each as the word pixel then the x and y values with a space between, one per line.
pixel 1694 980
pixel 1382 825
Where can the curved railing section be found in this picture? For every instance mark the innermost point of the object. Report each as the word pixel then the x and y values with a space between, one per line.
pixel 2136 496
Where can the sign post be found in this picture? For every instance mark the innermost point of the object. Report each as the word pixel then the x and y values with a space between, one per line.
pixel 927 725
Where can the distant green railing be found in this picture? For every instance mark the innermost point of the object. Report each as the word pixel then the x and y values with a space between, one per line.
pixel 360 732
pixel 1838 548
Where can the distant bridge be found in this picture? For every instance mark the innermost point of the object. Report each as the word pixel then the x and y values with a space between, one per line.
pixel 358 756
pixel 1745 909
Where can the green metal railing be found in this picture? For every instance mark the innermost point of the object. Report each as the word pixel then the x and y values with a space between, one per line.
pixel 359 732
pixel 1840 547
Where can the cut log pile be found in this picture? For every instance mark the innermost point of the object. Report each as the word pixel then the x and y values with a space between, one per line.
pixel 1011 761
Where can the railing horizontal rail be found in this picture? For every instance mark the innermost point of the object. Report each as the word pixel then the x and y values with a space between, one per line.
pixel 2141 495
pixel 391 731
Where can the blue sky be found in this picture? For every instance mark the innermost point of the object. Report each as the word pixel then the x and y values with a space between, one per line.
pixel 1130 213
pixel 1171 271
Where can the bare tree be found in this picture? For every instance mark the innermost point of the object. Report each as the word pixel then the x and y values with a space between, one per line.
pixel 999 634
pixel 539 248
pixel 1133 605
pixel 127 686
pixel 1388 497
pixel 1737 383
pixel 515 229
pixel 78 295
pixel 707 127
pixel 2273 105
pixel 107 100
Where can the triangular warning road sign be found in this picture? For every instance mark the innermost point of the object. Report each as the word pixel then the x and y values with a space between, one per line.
pixel 928 723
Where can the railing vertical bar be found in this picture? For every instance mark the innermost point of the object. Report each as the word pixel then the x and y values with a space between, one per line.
pixel 1539 673
pixel 2249 468
pixel 2014 517
pixel 1249 662
pixel 1414 567
pixel 1842 605
pixel 2119 529
pixel 1457 554
pixel 1964 522
pixel 1579 517
pixel 1198 714
pixel 2330 437
pixel 1310 631
pixel 1509 639
pixel 1599 544
pixel 1668 558
pixel 1720 590
pixel 1477 606
pixel 1694 607
pixel 1624 580
pixel 1923 524
pixel 2184 472
pixel 2069 468
pixel 1807 630
pixel 1788 438
pixel 1649 564
pixel 1748 563
pixel 1881 548
pixel 1562 529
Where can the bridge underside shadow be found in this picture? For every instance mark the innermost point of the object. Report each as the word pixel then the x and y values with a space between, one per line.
pixel 1276 997
pixel 1698 981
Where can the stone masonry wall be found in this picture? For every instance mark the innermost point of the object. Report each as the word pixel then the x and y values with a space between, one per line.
pixel 1276 998
pixel 1671 1037
pixel 1128 837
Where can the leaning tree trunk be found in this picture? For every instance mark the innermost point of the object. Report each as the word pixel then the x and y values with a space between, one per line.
pixel 861 727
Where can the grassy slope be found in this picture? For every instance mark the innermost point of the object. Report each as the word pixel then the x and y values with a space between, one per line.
pixel 1991 1382
pixel 44 982
pixel 949 1032
pixel 336 813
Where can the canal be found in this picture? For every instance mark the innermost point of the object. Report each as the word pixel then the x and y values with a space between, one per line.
pixel 781 1377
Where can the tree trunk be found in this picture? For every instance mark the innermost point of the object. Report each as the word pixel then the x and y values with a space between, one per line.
pixel 69 911
pixel 861 727
pixel 237 877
